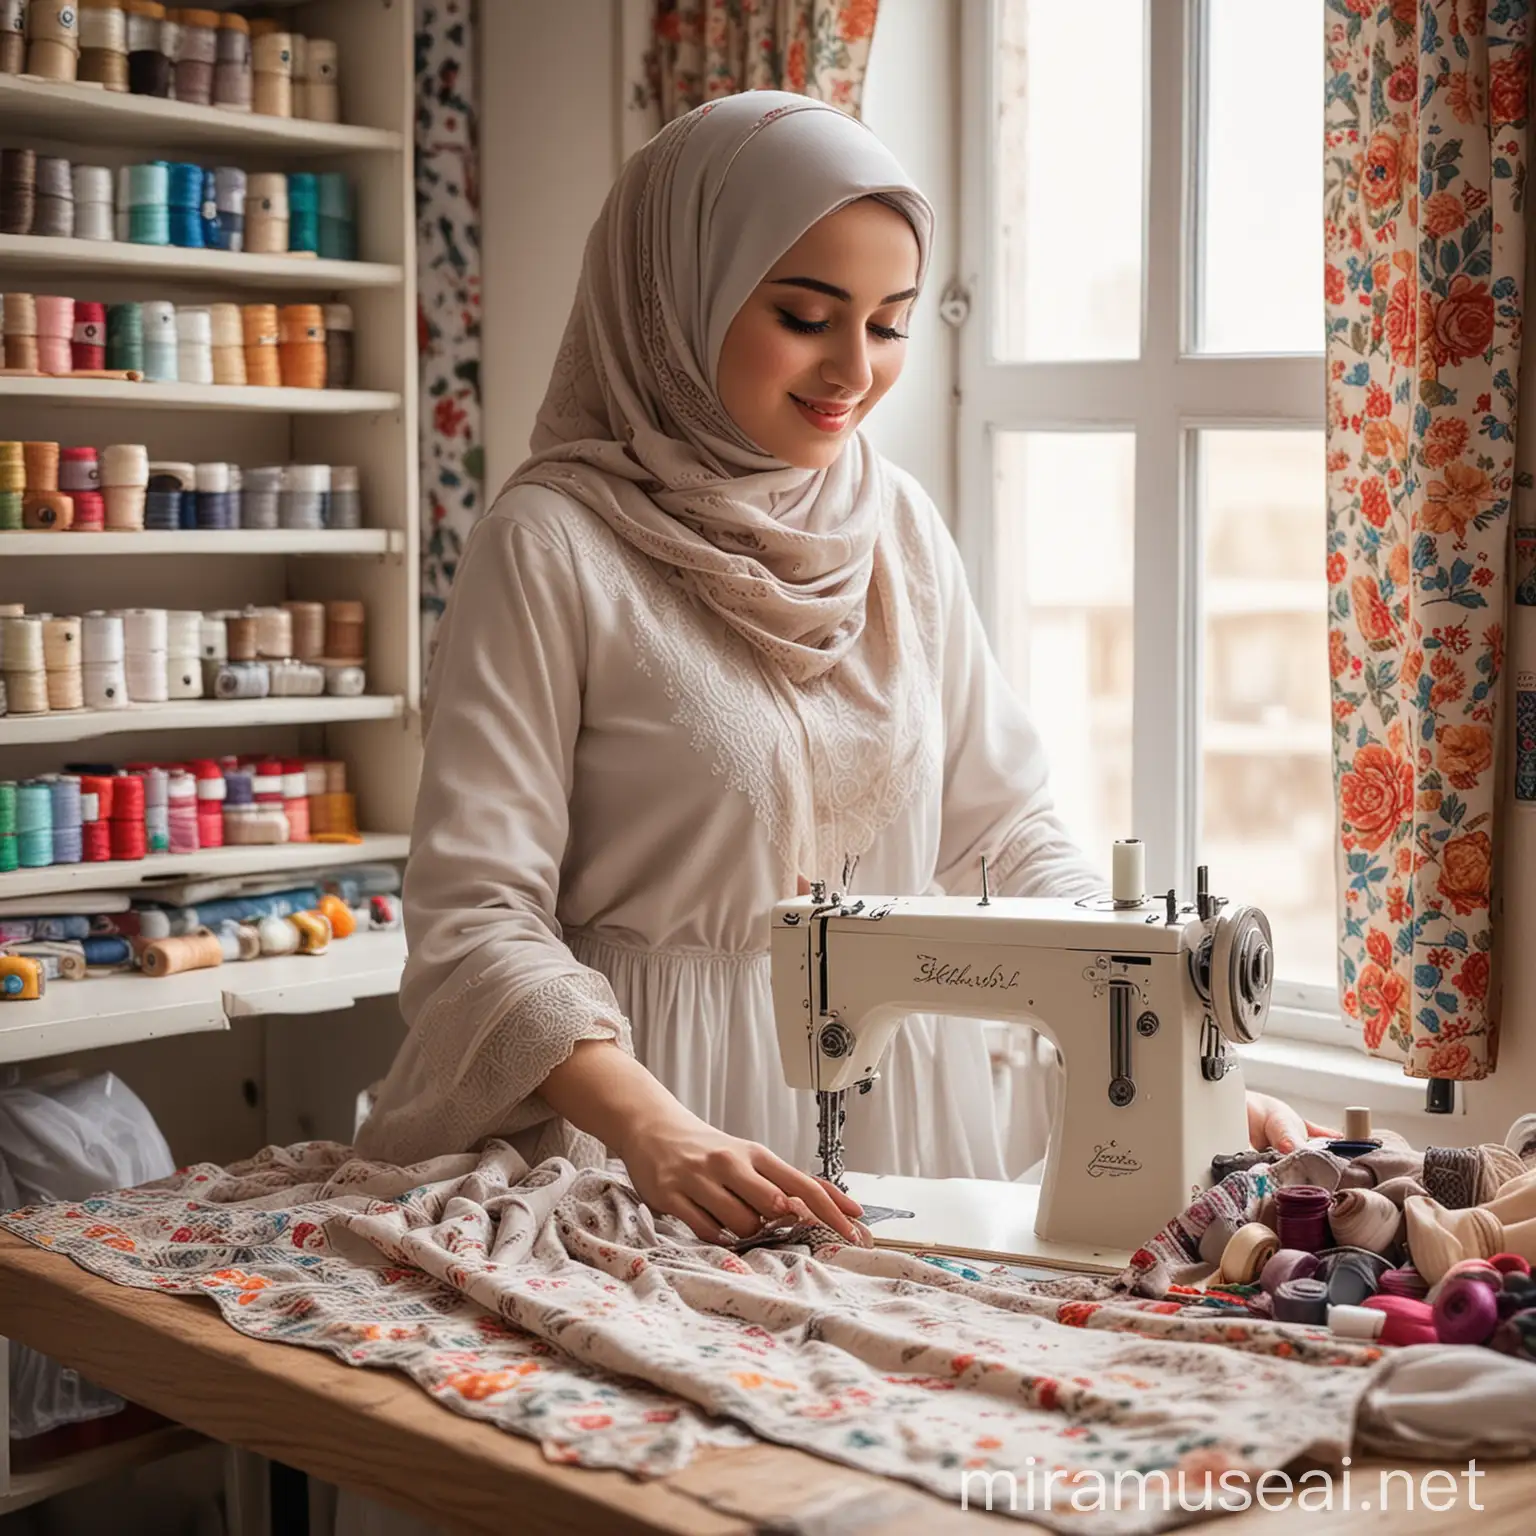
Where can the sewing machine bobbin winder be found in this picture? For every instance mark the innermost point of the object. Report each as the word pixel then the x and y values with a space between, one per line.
pixel 1143 998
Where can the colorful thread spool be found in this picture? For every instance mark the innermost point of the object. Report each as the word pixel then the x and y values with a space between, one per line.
pixel 21 332
pixel 88 342
pixel 1408 1322
pixel 125 337
pixel 303 212
pixel 266 213
pixel 1303 1218
pixel 217 507
pixel 184 200
pixel 259 323
pixel 55 333
pixel 272 73
pixel 103 46
pixel 229 193
pixel 34 824
pixel 301 330
pixel 160 341
pixel 197 56
pixel 147 187
pixel 18 190
pixel 65 793
pixel 54 208
pixel 150 69
pixel 53 39
pixel 228 344
pixel 124 481
pixel 170 957
pixel 338 322
pixel 13 39
pixel 232 69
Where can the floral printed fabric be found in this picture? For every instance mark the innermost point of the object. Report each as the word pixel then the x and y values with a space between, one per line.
pixel 549 1301
pixel 1425 236
pixel 703 49
pixel 447 295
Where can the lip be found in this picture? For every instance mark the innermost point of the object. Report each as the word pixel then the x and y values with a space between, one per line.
pixel 825 415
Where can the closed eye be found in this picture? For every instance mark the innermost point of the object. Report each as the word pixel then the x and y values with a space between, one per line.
pixel 816 327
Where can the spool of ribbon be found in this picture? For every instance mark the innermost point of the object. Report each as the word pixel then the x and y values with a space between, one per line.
pixel 55 333
pixel 259 322
pixel 272 74
pixel 232 69
pixel 266 213
pixel 170 957
pixel 1301 1301
pixel 93 202
pixel 1362 1218
pixel 301 350
pixel 54 210
pixel 1246 1253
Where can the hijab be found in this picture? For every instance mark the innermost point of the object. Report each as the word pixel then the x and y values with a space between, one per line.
pixel 632 425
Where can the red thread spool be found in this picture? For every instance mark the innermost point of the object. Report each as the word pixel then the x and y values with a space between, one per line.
pixel 96 834
pixel 296 800
pixel 90 512
pixel 88 347
pixel 128 836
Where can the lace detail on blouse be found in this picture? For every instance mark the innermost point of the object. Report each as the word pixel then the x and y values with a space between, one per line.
pixel 760 736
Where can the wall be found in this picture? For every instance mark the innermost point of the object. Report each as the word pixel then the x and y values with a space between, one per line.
pixel 550 146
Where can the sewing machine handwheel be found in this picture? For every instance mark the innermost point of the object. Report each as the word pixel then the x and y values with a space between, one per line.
pixel 1242 973
pixel 1121 1091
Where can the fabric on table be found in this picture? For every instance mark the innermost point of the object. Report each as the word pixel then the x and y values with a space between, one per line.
pixel 1392 1160
pixel 549 1301
pixel 1497 1167
pixel 1399 1190
pixel 1448 1401
pixel 572 682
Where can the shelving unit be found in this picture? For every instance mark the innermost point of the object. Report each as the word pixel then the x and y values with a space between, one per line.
pixel 373 426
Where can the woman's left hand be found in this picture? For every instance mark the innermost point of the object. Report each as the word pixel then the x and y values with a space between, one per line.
pixel 1273 1123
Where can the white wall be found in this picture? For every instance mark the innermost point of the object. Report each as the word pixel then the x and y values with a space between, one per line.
pixel 550 131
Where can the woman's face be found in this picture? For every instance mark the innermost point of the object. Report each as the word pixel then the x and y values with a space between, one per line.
pixel 823 336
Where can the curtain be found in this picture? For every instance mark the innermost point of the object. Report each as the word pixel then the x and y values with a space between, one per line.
pixel 701 49
pixel 1425 163
pixel 448 295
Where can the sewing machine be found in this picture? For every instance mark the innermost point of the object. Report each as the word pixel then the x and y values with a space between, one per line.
pixel 1143 998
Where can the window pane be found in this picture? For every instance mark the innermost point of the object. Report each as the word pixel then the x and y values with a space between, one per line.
pixel 1068 163
pixel 1261 214
pixel 1063 630
pixel 1267 790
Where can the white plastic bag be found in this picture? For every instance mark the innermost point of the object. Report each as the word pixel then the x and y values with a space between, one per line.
pixel 66 1139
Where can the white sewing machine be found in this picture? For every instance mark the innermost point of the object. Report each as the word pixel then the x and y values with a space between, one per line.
pixel 1142 997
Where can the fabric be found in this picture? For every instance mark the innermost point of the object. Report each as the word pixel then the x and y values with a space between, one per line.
pixel 550 1302
pixel 1449 1401
pixel 572 683
pixel 702 50
pixel 1364 1218
pixel 1438 1238
pixel 447 294
pixel 1425 153
pixel 1451 1176
pixel 632 425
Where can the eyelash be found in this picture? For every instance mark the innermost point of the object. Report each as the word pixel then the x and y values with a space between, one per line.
pixel 816 327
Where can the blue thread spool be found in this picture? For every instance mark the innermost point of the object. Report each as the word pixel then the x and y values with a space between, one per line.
pixel 239 787
pixel 338 217
pixel 215 503
pixel 107 949
pixel 65 792
pixel 159 322
pixel 208 213
pixel 185 199
pixel 303 212
pixel 229 203
pixel 34 824
pixel 149 188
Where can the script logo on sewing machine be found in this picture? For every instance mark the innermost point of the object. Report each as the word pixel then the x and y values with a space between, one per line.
pixel 932 970
pixel 1109 1161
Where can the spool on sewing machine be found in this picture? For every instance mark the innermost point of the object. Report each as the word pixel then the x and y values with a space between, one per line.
pixel 1144 998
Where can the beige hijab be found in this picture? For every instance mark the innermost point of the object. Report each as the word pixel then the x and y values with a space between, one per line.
pixel 633 428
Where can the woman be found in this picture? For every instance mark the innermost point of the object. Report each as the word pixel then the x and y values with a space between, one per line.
pixel 707 644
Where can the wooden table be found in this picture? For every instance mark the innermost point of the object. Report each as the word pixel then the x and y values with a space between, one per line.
pixel 378 1432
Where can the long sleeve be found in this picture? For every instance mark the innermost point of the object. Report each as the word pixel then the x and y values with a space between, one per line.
pixel 997 801
pixel 492 996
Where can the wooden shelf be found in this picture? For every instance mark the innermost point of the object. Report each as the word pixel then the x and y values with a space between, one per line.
pixel 64 390
pixel 120 1008
pixel 120 258
pixel 193 714
pixel 200 541
pixel 163 868
pixel 99 1461
pixel 80 115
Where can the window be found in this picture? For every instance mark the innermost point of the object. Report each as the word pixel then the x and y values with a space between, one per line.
pixel 1141 460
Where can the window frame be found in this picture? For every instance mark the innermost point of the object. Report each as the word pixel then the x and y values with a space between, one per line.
pixel 1166 396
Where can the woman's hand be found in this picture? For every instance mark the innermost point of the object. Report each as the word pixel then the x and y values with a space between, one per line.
pixel 1273 1123
pixel 726 1188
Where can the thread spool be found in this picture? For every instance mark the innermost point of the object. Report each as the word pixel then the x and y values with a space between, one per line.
pixel 301 328
pixel 125 478
pixel 184 204
pixel 103 46
pixel 18 190
pixel 21 331
pixel 295 679
pixel 13 38
pixel 53 39
pixel 321 95
pixel 303 212
pixel 344 636
pixel 196 56
pixel 272 74
pixel 34 824
pixel 266 214
pixel 194 345
pixel 232 69
pixel 126 821
pixel 88 341
pixel 261 497
pixel 183 665
pixel 229 193
pixel 78 469
pixel 54 208
pixel 47 512
pixel 170 957
pixel 144 639
pixel 150 71
pixel 161 361
pixel 274 633
pixel 125 337
pixel 146 188
pixel 259 323
pixel 22 979
pixel 305 487
pixel 65 793
pixel 41 465
pixel 216 506
pixel 90 512
pixel 240 636
pixel 307 621
pixel 338 322
pixel 95 813
pixel 93 197
pixel 55 333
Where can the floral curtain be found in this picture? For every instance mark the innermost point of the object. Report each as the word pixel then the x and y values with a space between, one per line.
pixel 701 49
pixel 1425 152
pixel 448 294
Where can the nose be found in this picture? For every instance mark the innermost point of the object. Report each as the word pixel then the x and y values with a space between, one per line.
pixel 847 366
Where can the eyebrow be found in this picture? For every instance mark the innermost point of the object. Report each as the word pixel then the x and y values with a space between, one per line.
pixel 815 285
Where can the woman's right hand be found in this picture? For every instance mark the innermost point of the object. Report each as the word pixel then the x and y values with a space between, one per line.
pixel 725 1188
